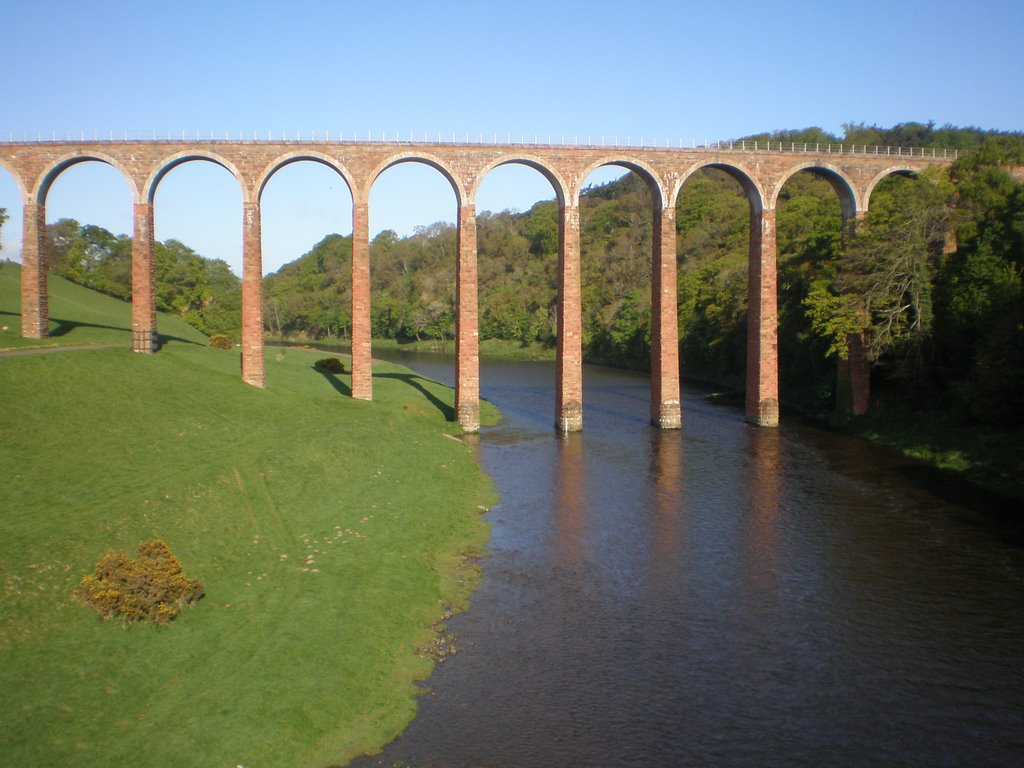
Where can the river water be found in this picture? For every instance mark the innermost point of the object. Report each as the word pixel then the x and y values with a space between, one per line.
pixel 720 595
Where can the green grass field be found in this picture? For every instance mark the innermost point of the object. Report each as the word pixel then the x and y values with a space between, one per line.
pixel 330 534
pixel 78 316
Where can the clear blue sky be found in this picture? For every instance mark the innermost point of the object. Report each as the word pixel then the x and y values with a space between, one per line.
pixel 677 69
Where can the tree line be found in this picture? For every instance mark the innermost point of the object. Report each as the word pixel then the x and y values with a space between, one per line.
pixel 203 292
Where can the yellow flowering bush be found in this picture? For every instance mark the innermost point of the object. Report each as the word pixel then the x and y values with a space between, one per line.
pixel 151 587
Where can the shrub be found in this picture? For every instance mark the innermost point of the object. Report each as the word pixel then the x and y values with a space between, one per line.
pixel 329 364
pixel 220 341
pixel 151 587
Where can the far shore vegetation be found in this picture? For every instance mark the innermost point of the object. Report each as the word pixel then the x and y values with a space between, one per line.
pixel 490 349
pixel 332 537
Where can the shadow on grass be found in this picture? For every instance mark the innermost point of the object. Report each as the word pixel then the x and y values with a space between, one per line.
pixel 65 327
pixel 411 379
pixel 163 338
pixel 340 386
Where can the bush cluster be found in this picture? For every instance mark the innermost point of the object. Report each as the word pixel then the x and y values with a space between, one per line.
pixel 220 341
pixel 329 364
pixel 151 587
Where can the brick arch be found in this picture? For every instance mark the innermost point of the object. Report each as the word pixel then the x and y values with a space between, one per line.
pixel 893 170
pixel 58 166
pixel 20 182
pixel 644 171
pixel 299 156
pixel 849 200
pixel 453 178
pixel 744 177
pixel 554 178
pixel 168 164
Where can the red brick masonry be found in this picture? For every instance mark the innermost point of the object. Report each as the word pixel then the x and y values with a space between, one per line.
pixel 761 173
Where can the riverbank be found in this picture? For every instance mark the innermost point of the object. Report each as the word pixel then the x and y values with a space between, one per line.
pixel 495 349
pixel 332 537
pixel 986 458
pixel 989 458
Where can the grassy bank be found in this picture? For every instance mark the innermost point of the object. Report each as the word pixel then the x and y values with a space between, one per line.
pixel 330 534
pixel 987 457
pixel 78 316
pixel 984 456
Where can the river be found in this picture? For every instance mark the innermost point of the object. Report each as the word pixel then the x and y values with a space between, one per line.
pixel 720 595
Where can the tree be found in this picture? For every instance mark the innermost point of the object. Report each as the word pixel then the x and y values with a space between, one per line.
pixel 833 318
pixel 204 292
pixel 887 270
pixel 712 219
pixel 630 330
pixel 979 293
pixel 813 135
pixel 541 227
pixel 61 237
pixel 3 218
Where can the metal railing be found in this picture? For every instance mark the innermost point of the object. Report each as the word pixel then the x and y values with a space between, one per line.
pixel 507 139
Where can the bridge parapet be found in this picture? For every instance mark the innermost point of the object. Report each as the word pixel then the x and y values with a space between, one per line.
pixel 760 166
pixel 480 139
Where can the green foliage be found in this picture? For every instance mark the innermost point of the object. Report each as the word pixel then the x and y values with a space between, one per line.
pixel 220 341
pixel 82 316
pixel 809 228
pixel 713 327
pixel 713 222
pixel 889 265
pixel 91 256
pixel 712 216
pixel 517 269
pixel 203 292
pixel 312 296
pixel 541 228
pixel 623 335
pixel 979 297
pixel 152 587
pixel 833 318
pixel 813 135
pixel 3 218
pixel 615 269
pixel 926 135
pixel 330 365
pixel 413 278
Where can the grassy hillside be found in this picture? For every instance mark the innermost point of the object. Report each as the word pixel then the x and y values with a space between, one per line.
pixel 78 316
pixel 330 535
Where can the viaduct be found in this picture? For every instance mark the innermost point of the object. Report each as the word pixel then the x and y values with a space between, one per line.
pixel 761 170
